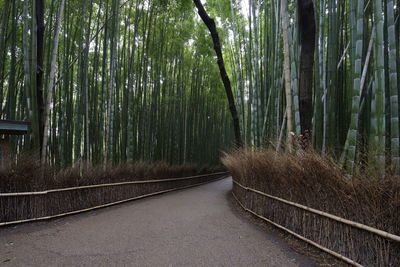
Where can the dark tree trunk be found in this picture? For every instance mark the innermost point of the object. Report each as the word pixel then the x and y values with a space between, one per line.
pixel 39 66
pixel 210 23
pixel 307 35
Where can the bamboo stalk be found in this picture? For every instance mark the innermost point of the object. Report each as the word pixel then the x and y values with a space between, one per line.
pixel 393 86
pixel 378 130
pixel 349 155
pixel 50 87
pixel 367 59
pixel 288 86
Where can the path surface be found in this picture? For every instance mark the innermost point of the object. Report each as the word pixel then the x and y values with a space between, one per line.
pixel 193 227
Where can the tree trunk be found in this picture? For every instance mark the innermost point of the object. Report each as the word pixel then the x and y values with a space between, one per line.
pixel 378 124
pixel 210 23
pixel 27 75
pixel 53 67
pixel 39 67
pixel 287 74
pixel 307 36
pixel 394 97
pixel 350 151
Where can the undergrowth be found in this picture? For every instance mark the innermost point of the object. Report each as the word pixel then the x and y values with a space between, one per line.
pixel 319 183
pixel 29 175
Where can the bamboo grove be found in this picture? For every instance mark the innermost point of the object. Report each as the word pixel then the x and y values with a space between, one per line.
pixel 354 75
pixel 121 80
pixel 125 80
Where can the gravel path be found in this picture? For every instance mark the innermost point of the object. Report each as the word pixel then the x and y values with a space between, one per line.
pixel 193 227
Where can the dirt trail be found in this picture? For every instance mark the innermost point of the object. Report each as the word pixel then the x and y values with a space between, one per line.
pixel 193 227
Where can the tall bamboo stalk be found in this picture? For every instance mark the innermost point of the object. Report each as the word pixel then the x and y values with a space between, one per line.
pixel 378 125
pixel 50 87
pixel 351 141
pixel 393 85
pixel 286 64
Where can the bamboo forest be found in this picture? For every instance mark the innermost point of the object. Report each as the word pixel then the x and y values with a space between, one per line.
pixel 127 80
pixel 200 132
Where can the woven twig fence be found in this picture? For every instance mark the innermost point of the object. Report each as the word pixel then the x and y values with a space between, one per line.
pixel 33 206
pixel 352 242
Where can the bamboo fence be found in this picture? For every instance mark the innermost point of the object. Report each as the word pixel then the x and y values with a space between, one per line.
pixel 354 243
pixel 23 207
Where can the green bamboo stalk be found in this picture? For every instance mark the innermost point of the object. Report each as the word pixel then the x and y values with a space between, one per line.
pixel 378 126
pixel 393 82
pixel 4 21
pixel 349 153
pixel 11 82
pixel 50 87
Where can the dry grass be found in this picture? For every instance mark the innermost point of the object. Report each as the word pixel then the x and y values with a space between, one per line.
pixel 319 183
pixel 29 175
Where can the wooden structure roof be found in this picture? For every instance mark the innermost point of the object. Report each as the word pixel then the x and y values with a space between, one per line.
pixel 13 127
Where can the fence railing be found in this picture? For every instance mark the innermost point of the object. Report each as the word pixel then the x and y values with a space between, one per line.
pixel 23 207
pixel 106 185
pixel 356 225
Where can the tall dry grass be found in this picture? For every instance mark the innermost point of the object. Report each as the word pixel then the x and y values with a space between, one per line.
pixel 29 175
pixel 319 183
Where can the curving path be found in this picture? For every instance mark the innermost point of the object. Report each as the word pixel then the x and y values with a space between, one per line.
pixel 193 227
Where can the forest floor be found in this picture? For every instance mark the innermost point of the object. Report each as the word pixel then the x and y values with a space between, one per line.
pixel 195 227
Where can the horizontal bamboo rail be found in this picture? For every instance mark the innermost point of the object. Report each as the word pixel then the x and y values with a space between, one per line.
pixel 327 215
pixel 106 185
pixel 108 204
pixel 327 250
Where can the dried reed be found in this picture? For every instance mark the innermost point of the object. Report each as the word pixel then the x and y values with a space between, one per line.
pixel 319 183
